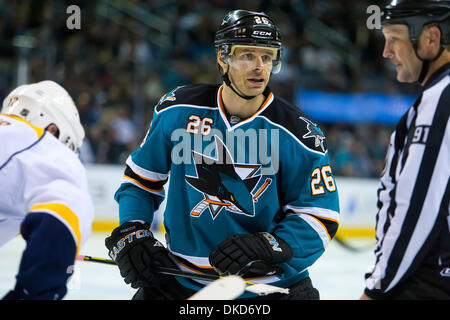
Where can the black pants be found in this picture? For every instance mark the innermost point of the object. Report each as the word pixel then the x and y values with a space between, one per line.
pixel 171 289
pixel 418 287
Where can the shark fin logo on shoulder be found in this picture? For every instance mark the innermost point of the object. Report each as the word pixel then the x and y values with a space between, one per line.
pixel 169 96
pixel 225 184
pixel 314 132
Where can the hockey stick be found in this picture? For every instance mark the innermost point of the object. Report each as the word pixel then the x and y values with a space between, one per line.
pixel 161 270
pixel 258 288
pixel 94 259
pixel 226 288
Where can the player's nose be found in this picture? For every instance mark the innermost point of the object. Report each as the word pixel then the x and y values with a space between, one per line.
pixel 388 53
pixel 259 63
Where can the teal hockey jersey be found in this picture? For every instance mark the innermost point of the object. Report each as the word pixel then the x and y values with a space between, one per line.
pixel 269 172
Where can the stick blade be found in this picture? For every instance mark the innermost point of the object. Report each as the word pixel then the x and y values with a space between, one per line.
pixel 263 289
pixel 226 288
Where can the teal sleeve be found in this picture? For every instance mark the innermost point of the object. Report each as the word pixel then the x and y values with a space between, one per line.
pixel 306 245
pixel 136 204
pixel 310 206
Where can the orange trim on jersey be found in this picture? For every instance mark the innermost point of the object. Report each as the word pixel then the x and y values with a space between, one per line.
pixel 142 186
pixel 315 218
pixel 40 132
pixel 261 190
pixel 144 178
pixel 320 222
pixel 222 108
pixel 216 202
pixel 190 268
pixel 220 100
pixel 310 214
pixel 194 122
pixel 65 213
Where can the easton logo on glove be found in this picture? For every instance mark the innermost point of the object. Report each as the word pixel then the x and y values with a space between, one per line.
pixel 136 253
pixel 139 234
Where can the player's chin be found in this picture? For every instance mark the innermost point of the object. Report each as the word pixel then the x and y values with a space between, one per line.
pixel 254 92
pixel 256 88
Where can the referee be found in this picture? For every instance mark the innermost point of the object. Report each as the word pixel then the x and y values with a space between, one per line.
pixel 412 224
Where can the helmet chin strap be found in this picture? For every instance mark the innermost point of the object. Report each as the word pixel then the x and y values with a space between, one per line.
pixel 227 81
pixel 425 62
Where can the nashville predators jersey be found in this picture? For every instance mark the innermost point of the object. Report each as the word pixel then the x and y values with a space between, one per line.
pixel 269 172
pixel 39 174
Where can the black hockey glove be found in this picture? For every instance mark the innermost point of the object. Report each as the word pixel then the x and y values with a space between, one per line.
pixel 251 255
pixel 136 252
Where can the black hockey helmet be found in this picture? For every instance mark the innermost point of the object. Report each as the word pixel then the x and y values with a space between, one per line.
pixel 242 27
pixel 247 28
pixel 416 14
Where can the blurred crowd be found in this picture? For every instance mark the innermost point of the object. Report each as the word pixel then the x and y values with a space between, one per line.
pixel 127 54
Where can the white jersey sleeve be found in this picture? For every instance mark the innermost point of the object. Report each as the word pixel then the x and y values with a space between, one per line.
pixel 39 174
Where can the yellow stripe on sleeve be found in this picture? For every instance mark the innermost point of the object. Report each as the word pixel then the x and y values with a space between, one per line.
pixel 65 213
pixel 39 131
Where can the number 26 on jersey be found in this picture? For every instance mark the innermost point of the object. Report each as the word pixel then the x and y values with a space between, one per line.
pixel 197 125
pixel 321 177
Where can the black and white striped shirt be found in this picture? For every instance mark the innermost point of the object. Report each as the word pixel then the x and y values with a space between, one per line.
pixel 412 224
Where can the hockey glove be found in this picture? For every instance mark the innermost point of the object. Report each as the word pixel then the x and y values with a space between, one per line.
pixel 251 255
pixel 136 253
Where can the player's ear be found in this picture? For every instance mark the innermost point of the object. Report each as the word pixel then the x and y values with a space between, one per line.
pixel 53 129
pixel 221 62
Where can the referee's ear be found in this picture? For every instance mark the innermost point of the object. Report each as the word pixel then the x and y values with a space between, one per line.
pixel 430 41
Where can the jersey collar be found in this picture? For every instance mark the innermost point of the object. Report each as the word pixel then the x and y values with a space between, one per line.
pixel 223 114
pixel 437 76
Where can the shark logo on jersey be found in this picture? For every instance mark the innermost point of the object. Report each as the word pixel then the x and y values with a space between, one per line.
pixel 170 96
pixel 225 184
pixel 313 132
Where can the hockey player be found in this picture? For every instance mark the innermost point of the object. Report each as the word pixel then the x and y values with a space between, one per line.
pixel 413 222
pixel 44 194
pixel 251 190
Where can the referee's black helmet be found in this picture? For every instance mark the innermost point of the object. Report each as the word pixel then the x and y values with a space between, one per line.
pixel 416 14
